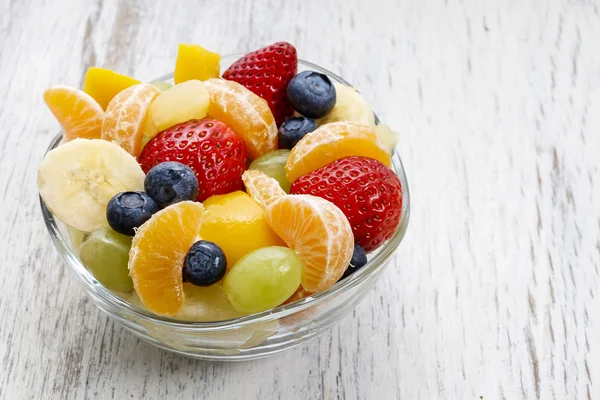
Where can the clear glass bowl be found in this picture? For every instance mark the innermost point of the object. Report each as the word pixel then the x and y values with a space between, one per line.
pixel 249 337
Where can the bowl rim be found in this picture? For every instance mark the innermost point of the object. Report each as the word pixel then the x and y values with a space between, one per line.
pixel 120 306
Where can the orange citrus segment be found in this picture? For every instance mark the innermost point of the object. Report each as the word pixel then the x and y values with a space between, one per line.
pixel 319 232
pixel 103 84
pixel 246 113
pixel 125 115
pixel 261 187
pixel 331 142
pixel 78 113
pixel 195 62
pixel 157 254
pixel 299 294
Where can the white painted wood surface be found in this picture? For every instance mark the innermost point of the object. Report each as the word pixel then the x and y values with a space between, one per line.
pixel 495 291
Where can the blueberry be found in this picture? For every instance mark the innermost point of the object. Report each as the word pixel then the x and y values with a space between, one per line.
pixel 311 94
pixel 359 259
pixel 294 129
pixel 171 182
pixel 129 210
pixel 204 264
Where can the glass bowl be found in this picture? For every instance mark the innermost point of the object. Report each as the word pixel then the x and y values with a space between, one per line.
pixel 249 337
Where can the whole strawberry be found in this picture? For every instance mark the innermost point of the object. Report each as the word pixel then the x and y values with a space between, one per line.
pixel 208 147
pixel 267 72
pixel 368 193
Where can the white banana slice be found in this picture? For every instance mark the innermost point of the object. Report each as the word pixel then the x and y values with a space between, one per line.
pixel 387 136
pixel 77 180
pixel 349 106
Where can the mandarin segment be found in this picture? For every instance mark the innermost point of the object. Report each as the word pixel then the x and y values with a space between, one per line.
pixel 103 84
pixel 331 142
pixel 157 254
pixel 246 113
pixel 79 115
pixel 124 122
pixel 262 188
pixel 299 294
pixel 319 232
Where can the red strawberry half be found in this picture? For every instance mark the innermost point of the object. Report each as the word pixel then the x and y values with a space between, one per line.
pixel 208 147
pixel 267 73
pixel 368 193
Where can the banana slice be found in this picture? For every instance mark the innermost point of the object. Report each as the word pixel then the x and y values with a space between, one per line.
pixel 387 136
pixel 77 180
pixel 349 106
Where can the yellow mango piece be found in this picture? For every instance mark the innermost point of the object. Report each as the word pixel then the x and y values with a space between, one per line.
pixel 237 224
pixel 195 62
pixel 182 102
pixel 103 84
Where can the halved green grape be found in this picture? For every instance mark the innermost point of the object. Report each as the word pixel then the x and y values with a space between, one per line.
pixel 263 279
pixel 105 254
pixel 77 237
pixel 272 163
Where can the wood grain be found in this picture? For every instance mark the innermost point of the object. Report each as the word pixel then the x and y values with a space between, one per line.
pixel 492 294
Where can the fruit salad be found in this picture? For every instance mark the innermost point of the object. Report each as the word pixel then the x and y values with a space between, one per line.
pixel 224 194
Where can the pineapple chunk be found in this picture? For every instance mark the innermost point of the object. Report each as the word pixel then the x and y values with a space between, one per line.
pixel 104 84
pixel 195 62
pixel 182 102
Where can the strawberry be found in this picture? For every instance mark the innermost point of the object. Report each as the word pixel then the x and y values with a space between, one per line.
pixel 267 72
pixel 208 147
pixel 368 193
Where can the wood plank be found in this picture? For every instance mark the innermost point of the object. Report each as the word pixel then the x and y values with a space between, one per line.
pixel 492 294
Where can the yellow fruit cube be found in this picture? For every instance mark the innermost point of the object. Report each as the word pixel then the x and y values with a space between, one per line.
pixel 104 84
pixel 182 102
pixel 195 62
pixel 237 224
pixel 387 136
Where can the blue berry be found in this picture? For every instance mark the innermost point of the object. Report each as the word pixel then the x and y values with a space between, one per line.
pixel 294 129
pixel 359 259
pixel 311 94
pixel 129 210
pixel 171 182
pixel 204 264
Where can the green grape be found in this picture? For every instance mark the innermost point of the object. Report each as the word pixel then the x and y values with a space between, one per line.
pixel 106 254
pixel 161 85
pixel 263 279
pixel 77 237
pixel 272 163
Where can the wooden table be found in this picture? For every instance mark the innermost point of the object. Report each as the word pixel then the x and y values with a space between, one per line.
pixel 494 292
